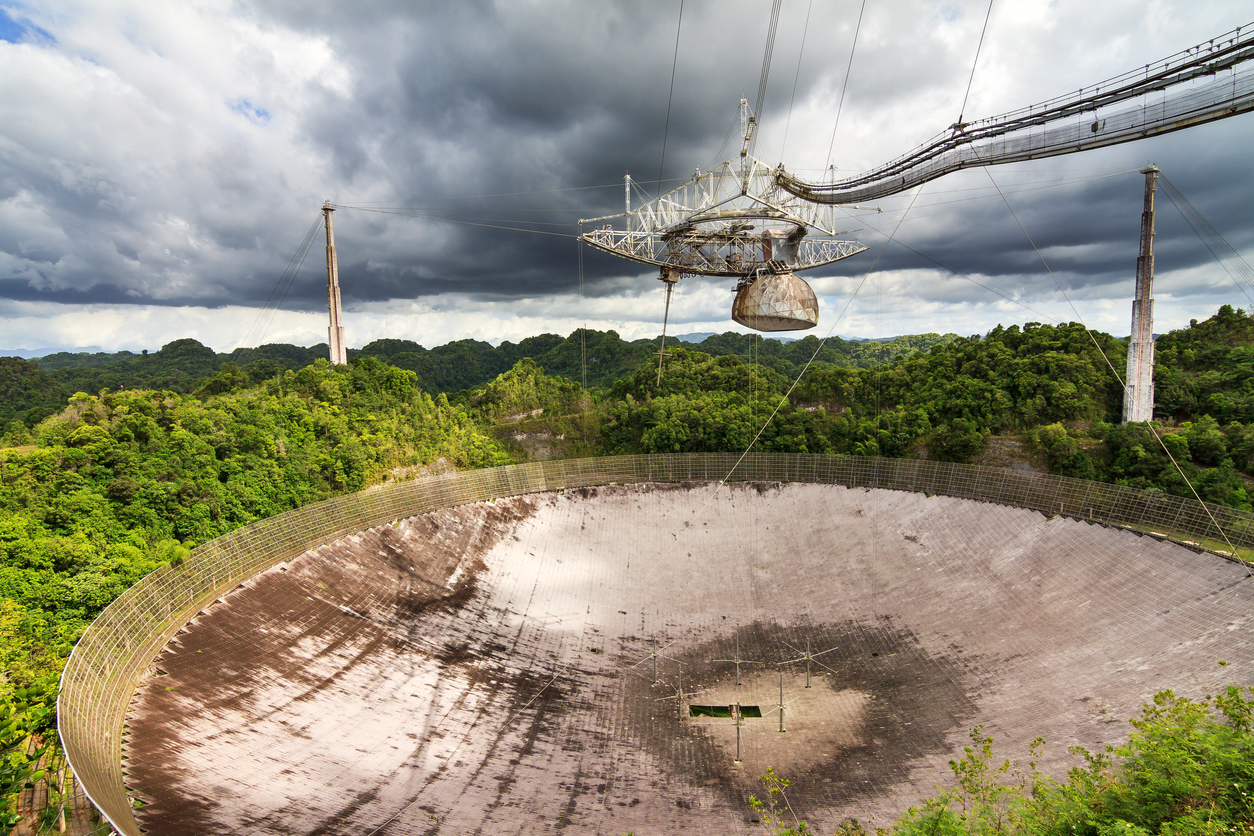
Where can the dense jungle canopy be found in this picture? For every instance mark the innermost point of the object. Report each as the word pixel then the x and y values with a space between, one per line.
pixel 112 465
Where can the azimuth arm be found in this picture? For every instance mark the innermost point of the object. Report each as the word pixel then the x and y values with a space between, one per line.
pixel 1201 84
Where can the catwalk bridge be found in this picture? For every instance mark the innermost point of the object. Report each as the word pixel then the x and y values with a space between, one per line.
pixel 1204 83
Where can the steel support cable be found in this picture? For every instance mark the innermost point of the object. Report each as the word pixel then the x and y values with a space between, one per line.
pixel 670 96
pixel 1191 213
pixel 719 158
pixel 454 221
pixel 1194 219
pixel 780 402
pixel 281 287
pixel 1183 111
pixel 385 204
pixel 1039 115
pixel 467 210
pixel 805 30
pixel 990 288
pixel 532 225
pixel 426 213
pixel 583 331
pixel 962 110
pixel 1010 137
pixel 841 102
pixel 962 203
pixel 766 73
pixel 1122 384
pixel 984 194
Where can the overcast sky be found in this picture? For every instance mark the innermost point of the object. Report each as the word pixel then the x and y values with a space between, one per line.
pixel 160 163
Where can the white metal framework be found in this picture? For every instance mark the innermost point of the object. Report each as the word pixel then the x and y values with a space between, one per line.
pixel 732 221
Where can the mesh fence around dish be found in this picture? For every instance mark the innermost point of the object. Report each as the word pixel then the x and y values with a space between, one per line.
pixel 102 674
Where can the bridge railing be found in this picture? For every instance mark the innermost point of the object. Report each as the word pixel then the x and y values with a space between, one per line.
pixel 106 666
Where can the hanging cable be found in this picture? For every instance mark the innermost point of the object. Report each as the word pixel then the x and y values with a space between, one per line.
pixel 583 330
pixel 1194 219
pixel 967 277
pixel 674 64
pixel 766 72
pixel 257 330
pixel 848 68
pixel 669 281
pixel 797 75
pixel 779 404
pixel 455 221
pixel 962 110
pixel 1149 424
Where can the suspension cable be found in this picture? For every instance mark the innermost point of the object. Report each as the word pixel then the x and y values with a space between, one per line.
pixel 766 72
pixel 848 68
pixel 583 330
pixel 257 330
pixel 455 221
pixel 661 559
pixel 670 96
pixel 1194 219
pixel 962 110
pixel 805 30
pixel 1149 424
pixel 1193 93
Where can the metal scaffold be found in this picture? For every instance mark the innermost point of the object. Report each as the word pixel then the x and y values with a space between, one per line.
pixel 733 221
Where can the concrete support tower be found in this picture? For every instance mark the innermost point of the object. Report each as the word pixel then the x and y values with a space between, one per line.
pixel 335 333
pixel 1138 395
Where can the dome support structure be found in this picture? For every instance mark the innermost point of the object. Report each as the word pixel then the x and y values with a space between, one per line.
pixel 733 221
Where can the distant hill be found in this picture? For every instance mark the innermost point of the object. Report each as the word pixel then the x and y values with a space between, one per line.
pixel 594 358
pixel 29 353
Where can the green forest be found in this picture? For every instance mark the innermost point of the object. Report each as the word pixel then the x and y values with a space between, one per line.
pixel 31 391
pixel 112 465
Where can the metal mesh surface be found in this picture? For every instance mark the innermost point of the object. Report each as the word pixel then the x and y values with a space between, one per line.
pixel 101 676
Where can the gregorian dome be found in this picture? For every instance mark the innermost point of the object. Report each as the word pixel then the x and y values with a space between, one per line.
pixel 775 302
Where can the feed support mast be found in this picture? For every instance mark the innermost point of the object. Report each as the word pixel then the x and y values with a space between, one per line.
pixel 1138 393
pixel 335 332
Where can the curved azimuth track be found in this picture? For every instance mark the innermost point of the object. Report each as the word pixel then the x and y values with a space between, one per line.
pixel 580 661
pixel 1201 84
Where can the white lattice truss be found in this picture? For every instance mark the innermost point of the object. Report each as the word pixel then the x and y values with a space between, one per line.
pixel 732 221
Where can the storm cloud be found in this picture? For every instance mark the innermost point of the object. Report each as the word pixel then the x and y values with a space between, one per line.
pixel 160 164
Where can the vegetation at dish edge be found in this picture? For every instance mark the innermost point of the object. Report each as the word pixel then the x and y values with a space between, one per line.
pixel 1186 770
pixel 97 490
pixel 119 483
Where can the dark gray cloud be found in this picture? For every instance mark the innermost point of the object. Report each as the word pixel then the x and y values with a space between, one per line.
pixel 176 157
